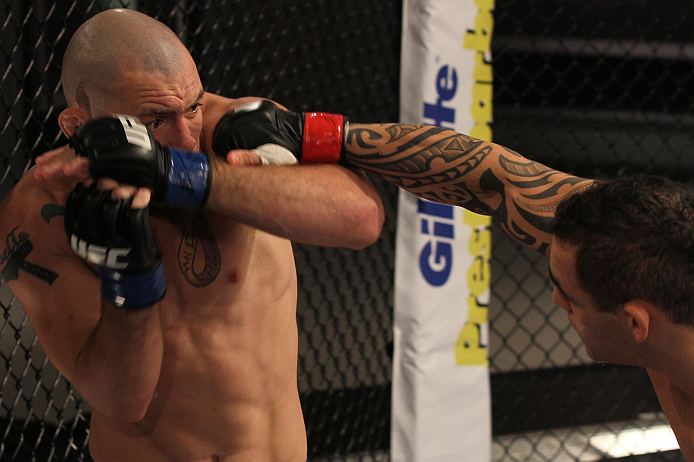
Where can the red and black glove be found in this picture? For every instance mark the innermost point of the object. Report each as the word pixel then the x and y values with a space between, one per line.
pixel 282 137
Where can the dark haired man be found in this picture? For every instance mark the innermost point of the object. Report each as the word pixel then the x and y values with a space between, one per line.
pixel 622 262
pixel 621 251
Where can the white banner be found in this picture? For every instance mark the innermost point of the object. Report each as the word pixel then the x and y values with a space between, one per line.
pixel 441 405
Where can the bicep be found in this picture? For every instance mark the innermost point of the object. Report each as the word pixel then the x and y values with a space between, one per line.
pixel 525 194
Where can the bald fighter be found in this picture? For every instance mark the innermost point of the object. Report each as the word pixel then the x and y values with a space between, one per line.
pixel 175 321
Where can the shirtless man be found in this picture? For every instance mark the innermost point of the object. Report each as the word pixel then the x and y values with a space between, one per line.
pixel 209 372
pixel 622 262
pixel 621 251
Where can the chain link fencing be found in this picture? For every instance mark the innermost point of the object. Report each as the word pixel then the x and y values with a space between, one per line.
pixel 586 86
pixel 597 89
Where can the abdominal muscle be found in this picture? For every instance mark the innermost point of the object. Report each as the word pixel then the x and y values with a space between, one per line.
pixel 227 389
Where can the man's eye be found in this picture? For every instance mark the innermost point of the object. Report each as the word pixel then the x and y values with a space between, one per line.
pixel 154 124
pixel 195 107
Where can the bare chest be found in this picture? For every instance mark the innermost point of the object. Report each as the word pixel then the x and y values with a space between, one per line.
pixel 216 264
pixel 230 348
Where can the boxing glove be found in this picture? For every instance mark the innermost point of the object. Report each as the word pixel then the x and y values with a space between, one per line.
pixel 121 148
pixel 281 137
pixel 121 240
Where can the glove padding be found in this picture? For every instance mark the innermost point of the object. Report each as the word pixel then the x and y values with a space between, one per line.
pixel 121 148
pixel 121 240
pixel 281 137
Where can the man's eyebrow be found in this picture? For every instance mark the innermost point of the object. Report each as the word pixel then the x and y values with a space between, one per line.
pixel 198 99
pixel 557 285
pixel 155 111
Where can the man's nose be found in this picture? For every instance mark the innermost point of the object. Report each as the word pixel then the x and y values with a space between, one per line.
pixel 179 135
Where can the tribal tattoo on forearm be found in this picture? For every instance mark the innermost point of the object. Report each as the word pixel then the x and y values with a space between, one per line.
pixel 448 167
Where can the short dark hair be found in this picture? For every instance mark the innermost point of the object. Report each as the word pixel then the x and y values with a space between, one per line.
pixel 634 237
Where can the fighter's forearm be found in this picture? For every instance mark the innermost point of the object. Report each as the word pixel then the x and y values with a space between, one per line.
pixel 448 167
pixel 318 204
pixel 118 367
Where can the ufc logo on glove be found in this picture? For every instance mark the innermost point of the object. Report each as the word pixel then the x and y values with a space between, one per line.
pixel 135 132
pixel 98 254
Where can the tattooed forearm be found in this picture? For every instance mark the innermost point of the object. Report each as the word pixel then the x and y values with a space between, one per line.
pixel 448 167
pixel 408 150
pixel 429 161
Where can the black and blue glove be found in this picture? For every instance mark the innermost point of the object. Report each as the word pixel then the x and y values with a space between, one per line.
pixel 120 239
pixel 123 149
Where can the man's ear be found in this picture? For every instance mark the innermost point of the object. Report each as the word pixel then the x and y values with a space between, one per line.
pixel 639 316
pixel 71 118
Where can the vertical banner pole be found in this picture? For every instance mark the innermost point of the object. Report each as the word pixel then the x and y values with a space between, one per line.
pixel 441 403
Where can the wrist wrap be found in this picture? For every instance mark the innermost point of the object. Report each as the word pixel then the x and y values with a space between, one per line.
pixel 323 139
pixel 133 291
pixel 189 178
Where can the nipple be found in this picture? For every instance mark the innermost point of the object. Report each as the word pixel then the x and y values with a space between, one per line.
pixel 234 276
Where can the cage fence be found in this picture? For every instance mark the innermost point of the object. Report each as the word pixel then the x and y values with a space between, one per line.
pixel 586 86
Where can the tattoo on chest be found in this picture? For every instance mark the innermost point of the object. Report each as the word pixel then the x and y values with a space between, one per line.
pixel 197 235
pixel 17 249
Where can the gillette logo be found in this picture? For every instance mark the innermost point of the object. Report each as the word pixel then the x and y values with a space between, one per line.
pixel 436 257
pixel 446 86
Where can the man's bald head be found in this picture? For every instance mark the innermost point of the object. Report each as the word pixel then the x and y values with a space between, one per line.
pixel 111 42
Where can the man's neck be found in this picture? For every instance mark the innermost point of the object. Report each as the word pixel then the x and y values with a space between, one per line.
pixel 673 356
